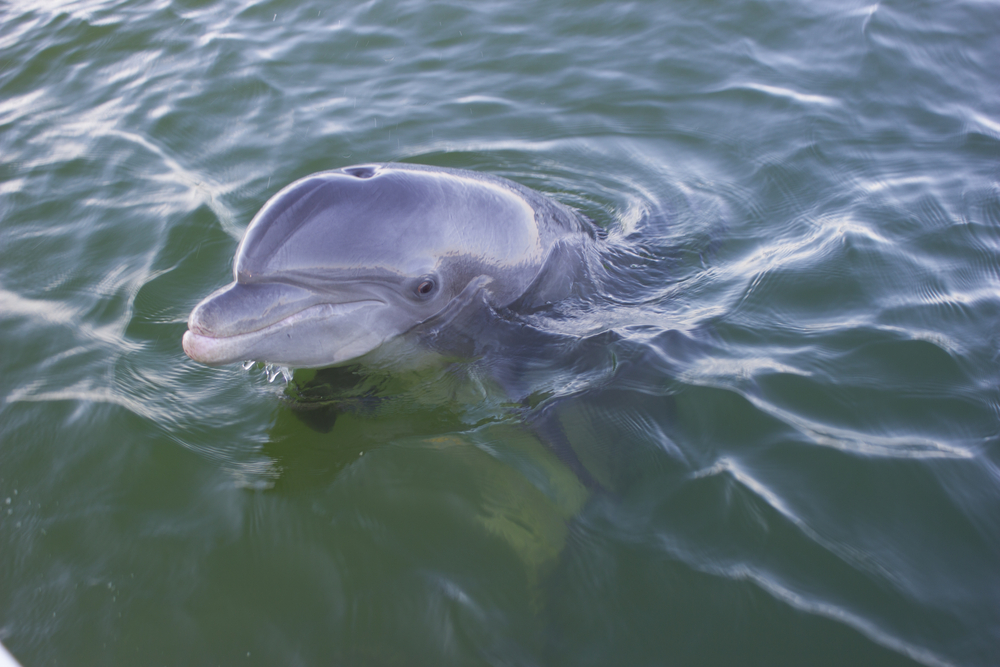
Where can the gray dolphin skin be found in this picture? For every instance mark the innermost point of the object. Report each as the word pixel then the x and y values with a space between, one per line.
pixel 339 262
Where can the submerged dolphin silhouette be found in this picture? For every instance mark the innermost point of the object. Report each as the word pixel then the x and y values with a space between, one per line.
pixel 340 262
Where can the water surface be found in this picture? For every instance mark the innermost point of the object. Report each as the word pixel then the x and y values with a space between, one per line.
pixel 786 391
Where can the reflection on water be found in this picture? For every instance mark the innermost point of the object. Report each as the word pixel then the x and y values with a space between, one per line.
pixel 767 435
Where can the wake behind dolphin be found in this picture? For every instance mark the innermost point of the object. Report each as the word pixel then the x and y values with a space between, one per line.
pixel 341 262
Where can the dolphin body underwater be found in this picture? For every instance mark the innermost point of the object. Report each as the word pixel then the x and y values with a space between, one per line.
pixel 388 267
pixel 341 262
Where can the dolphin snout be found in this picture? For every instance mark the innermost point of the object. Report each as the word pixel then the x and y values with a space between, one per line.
pixel 220 326
pixel 241 308
pixel 198 347
pixel 280 323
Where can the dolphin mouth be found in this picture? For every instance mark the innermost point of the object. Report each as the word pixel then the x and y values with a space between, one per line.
pixel 207 347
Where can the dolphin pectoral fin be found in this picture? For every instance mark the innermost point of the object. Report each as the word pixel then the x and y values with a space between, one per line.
pixel 550 428
pixel 330 392
pixel 321 418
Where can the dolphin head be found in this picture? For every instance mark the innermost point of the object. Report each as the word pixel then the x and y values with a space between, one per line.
pixel 339 262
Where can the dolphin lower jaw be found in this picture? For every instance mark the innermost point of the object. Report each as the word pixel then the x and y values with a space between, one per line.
pixel 321 335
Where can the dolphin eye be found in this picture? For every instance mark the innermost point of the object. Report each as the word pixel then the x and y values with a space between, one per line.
pixel 426 287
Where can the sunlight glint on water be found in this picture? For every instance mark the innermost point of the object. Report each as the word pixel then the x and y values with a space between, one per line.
pixel 767 436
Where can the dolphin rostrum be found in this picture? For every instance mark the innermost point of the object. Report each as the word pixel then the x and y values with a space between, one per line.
pixel 340 262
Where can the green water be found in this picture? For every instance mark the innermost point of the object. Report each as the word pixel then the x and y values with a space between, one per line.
pixel 786 393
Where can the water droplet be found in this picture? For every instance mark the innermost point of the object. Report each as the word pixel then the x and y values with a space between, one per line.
pixel 274 371
pixel 247 365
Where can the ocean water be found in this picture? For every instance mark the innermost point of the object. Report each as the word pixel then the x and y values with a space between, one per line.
pixel 782 402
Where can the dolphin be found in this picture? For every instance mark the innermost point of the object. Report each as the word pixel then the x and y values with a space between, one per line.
pixel 341 262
